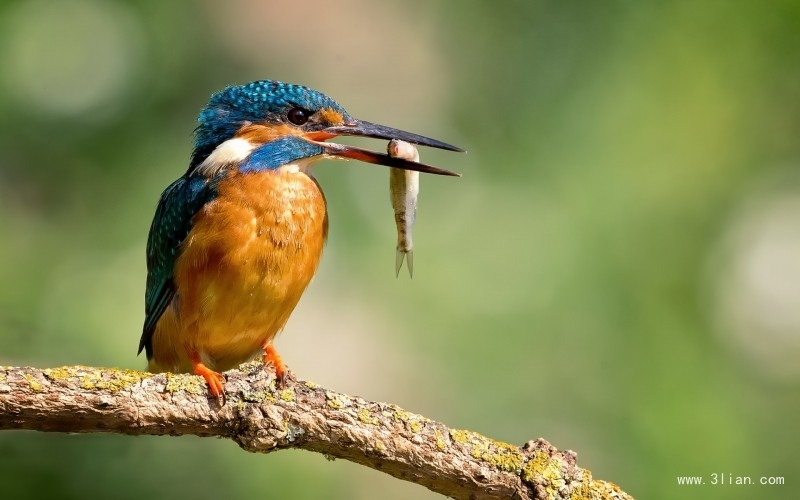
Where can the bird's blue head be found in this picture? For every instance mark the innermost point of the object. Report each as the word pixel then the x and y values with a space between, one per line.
pixel 265 104
pixel 248 117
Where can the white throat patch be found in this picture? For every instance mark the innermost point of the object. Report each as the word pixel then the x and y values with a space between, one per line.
pixel 302 165
pixel 231 151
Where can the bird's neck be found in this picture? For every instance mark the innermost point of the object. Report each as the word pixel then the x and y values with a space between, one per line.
pixel 227 155
pixel 243 155
pixel 208 136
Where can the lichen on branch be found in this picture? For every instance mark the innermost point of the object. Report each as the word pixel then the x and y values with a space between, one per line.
pixel 261 418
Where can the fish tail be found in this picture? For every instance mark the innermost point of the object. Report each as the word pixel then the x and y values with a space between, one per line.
pixel 398 262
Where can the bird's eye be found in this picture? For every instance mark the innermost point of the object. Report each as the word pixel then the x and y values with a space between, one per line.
pixel 298 116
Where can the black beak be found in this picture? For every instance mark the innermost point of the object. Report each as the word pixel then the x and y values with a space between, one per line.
pixel 367 129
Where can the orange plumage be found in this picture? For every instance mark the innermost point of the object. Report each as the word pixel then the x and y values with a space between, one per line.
pixel 235 241
pixel 242 269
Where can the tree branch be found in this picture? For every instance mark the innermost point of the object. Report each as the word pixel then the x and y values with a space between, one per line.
pixel 457 463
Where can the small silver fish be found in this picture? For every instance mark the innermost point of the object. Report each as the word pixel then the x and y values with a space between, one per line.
pixel 403 190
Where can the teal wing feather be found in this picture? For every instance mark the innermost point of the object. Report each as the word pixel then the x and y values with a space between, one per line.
pixel 172 222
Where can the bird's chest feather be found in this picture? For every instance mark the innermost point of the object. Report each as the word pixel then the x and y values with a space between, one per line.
pixel 249 256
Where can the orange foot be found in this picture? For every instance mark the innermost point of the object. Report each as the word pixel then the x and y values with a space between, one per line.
pixel 213 379
pixel 271 357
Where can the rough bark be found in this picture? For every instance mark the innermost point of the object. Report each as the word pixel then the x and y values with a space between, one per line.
pixel 260 418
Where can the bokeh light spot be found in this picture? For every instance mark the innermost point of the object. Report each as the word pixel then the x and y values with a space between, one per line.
pixel 70 58
pixel 757 284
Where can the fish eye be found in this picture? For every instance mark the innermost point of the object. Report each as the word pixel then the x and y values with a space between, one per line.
pixel 298 116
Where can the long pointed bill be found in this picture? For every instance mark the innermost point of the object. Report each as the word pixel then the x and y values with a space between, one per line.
pixel 355 153
pixel 367 129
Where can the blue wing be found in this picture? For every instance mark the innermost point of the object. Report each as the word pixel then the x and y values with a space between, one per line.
pixel 171 225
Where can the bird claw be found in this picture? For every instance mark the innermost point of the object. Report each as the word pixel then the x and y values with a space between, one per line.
pixel 282 379
pixel 215 381
pixel 271 357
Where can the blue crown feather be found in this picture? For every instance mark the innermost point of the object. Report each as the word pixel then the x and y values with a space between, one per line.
pixel 253 102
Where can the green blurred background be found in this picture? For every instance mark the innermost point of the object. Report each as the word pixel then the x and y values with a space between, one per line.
pixel 618 270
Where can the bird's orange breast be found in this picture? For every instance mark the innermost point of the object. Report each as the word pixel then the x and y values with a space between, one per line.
pixel 241 271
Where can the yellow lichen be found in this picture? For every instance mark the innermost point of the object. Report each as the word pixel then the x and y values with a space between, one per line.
pixel 61 373
pixel 89 381
pixel 536 466
pixel 192 384
pixel 287 394
pixel 581 490
pixel 464 437
pixel 365 417
pixel 414 422
pixel 500 455
pixel 479 448
pixel 334 401
pixel 251 366
pixel 544 469
pixel 34 384
pixel 91 378
pixel 257 396
pixel 504 457
pixel 311 385
pixel 123 379
pixel 400 415
pixel 583 487
pixel 440 444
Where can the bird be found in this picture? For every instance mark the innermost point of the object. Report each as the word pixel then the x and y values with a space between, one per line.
pixel 236 239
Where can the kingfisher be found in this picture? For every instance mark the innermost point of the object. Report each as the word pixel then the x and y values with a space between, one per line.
pixel 235 241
